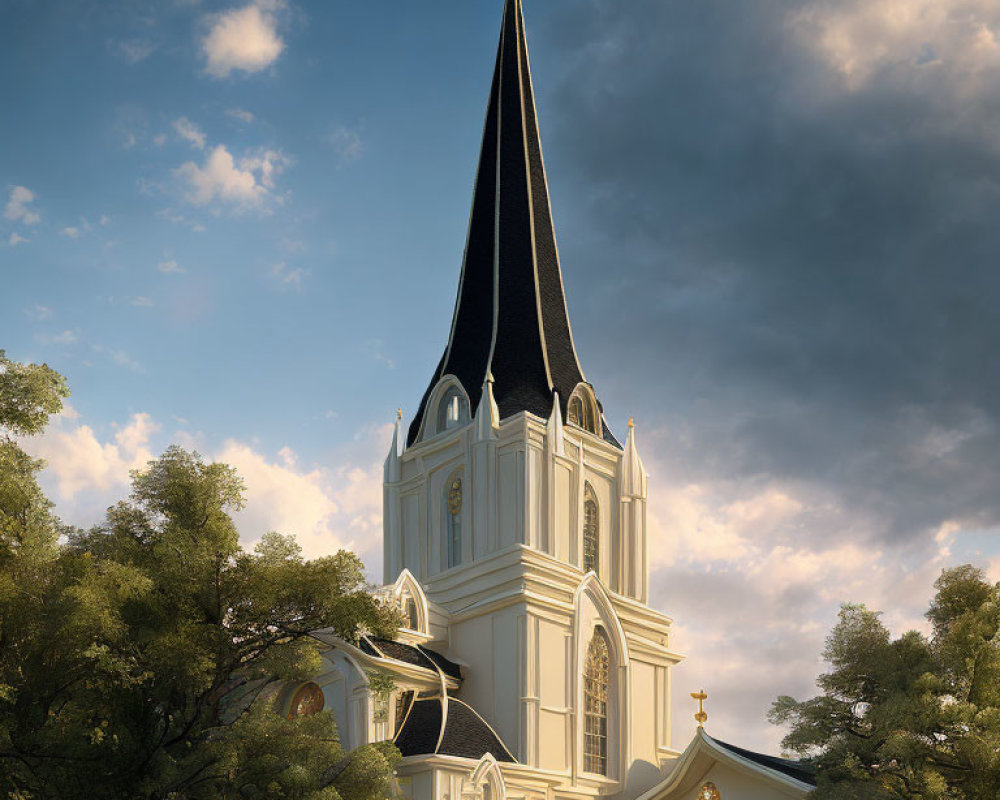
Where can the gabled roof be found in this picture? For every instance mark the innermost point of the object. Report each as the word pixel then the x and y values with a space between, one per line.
pixel 450 727
pixel 800 770
pixel 794 777
pixel 510 315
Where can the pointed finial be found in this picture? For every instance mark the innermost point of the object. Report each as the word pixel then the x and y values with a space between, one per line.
pixel 399 413
pixel 701 716
pixel 631 422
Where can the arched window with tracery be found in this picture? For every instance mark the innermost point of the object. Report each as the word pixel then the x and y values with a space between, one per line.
pixel 453 410
pixel 596 678
pixel 453 515
pixel 591 530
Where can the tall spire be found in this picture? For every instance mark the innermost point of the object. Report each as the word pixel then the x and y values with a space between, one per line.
pixel 510 315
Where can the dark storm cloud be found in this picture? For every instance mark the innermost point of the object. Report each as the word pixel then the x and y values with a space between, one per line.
pixel 799 272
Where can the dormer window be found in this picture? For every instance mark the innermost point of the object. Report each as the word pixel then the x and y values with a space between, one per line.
pixel 582 409
pixel 453 410
pixel 410 613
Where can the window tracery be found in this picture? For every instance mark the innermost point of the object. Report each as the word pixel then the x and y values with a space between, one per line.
pixel 591 530
pixel 596 676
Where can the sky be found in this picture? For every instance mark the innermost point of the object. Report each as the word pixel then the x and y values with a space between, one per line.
pixel 238 227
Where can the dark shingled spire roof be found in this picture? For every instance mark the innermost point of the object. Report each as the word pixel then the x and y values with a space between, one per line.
pixel 510 316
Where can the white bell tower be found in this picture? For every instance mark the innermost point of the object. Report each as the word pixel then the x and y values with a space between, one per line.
pixel 516 508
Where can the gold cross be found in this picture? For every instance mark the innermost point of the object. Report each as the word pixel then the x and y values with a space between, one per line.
pixel 701 716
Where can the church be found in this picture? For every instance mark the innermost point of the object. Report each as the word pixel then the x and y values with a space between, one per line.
pixel 530 665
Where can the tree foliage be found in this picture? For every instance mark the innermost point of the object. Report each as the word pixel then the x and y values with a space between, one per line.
pixel 913 717
pixel 142 658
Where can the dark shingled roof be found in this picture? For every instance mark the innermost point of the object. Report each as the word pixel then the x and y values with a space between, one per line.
pixel 510 315
pixel 408 654
pixel 466 734
pixel 801 771
pixel 449 668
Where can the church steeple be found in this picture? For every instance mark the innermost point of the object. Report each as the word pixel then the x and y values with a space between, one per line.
pixel 510 316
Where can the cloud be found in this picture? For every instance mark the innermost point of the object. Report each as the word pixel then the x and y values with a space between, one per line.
pixel 244 39
pixel 70 232
pixel 806 199
pixel 141 302
pixel 39 313
pixel 189 132
pixel 62 338
pixel 346 144
pixel 170 267
pixel 241 115
pixel 326 509
pixel 18 206
pixel 135 50
pixel 288 277
pixel 120 358
pixel 15 240
pixel 78 462
pixel 105 220
pixel 221 178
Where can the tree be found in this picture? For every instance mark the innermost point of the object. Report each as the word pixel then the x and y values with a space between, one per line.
pixel 913 717
pixel 140 659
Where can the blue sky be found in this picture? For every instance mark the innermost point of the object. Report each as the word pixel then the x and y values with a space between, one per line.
pixel 238 226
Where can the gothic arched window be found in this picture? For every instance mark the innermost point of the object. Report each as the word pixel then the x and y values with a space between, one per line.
pixel 582 409
pixel 452 410
pixel 596 677
pixel 453 514
pixel 410 612
pixel 591 530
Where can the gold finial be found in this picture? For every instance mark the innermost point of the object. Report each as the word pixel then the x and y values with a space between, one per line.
pixel 631 422
pixel 399 413
pixel 701 716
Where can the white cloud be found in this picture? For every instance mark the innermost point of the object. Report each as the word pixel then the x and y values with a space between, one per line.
pixel 245 183
pixel 39 313
pixel 288 277
pixel 120 358
pixel 15 240
pixel 141 302
pixel 241 114
pixel 17 207
pixel 79 462
pixel 243 39
pixel 189 132
pixel 346 144
pixel 860 38
pixel 170 267
pixel 70 232
pixel 135 50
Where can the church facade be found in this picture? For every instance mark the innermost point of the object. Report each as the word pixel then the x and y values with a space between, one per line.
pixel 515 543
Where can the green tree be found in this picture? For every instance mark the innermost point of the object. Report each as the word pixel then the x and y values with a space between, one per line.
pixel 913 717
pixel 141 659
